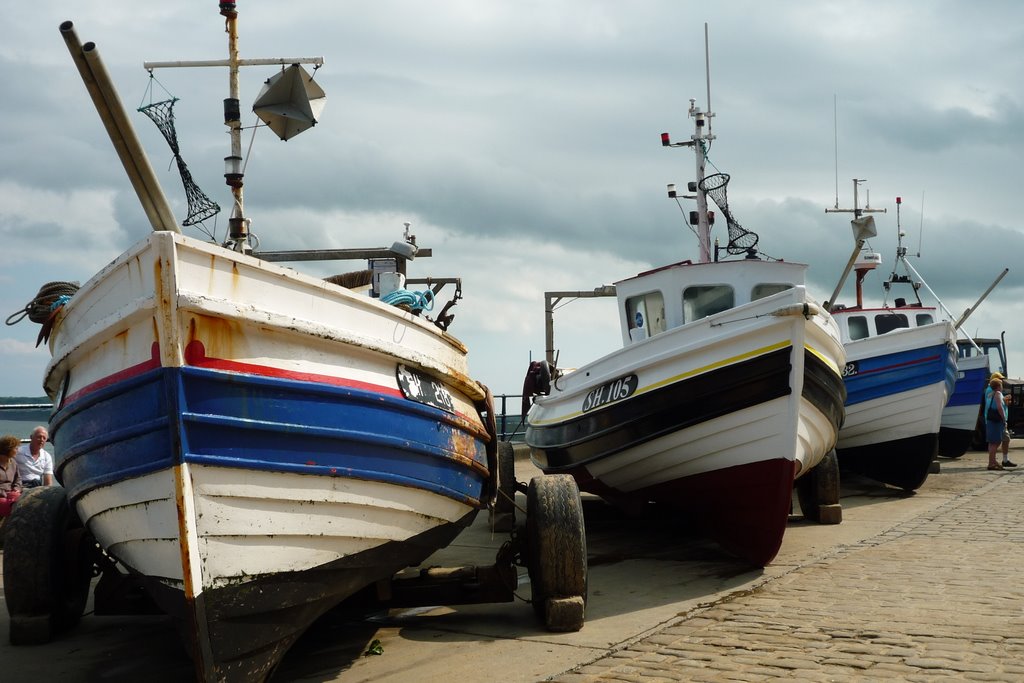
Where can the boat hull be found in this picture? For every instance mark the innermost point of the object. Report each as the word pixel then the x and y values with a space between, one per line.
pixel 897 385
pixel 255 444
pixel 960 416
pixel 724 414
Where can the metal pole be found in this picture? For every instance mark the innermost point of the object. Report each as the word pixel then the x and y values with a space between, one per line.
pixel 550 300
pixel 280 61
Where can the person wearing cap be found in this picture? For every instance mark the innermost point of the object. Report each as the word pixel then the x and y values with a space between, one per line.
pixel 1004 441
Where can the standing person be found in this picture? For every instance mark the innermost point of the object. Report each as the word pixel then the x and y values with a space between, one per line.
pixel 10 480
pixel 34 462
pixel 1005 445
pixel 995 421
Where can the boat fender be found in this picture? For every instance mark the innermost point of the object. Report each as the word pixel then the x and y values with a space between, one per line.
pixel 805 309
pixel 537 381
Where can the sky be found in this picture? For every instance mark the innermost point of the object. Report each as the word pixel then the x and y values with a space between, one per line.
pixel 521 141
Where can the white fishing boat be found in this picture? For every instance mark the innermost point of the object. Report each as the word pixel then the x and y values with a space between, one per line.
pixel 250 444
pixel 726 390
pixel 900 372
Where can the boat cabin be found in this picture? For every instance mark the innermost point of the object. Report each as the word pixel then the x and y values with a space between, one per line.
pixel 665 298
pixel 993 348
pixel 861 323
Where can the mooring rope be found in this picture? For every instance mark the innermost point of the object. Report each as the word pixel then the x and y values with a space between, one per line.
pixel 51 296
pixel 417 301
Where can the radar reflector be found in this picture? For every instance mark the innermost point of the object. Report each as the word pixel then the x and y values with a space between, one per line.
pixel 290 102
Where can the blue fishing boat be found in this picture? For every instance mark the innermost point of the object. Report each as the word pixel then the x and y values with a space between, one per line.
pixel 900 373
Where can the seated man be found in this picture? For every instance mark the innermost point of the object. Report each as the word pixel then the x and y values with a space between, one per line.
pixel 35 464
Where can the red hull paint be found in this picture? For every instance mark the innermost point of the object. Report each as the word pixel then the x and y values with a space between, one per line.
pixel 744 508
pixel 195 355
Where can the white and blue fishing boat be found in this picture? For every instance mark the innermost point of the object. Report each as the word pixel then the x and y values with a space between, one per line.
pixel 726 389
pixel 900 373
pixel 250 444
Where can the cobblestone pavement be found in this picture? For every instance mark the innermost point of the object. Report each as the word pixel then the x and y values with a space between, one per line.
pixel 939 597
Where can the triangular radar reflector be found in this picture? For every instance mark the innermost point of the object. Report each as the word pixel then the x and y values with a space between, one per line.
pixel 863 228
pixel 290 102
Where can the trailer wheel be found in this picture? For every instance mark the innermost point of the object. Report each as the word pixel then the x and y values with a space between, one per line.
pixel 48 562
pixel 503 514
pixel 818 491
pixel 557 555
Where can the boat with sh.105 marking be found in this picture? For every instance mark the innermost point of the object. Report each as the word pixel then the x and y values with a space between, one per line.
pixel 726 390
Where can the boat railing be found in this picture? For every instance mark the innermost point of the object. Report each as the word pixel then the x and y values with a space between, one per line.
pixel 511 426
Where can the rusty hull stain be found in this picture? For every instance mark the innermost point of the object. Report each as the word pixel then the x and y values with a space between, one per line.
pixel 218 335
pixel 462 443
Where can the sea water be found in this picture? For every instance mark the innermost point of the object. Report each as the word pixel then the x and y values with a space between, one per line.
pixel 21 421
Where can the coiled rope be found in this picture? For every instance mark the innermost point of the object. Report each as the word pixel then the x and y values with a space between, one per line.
pixel 415 301
pixel 50 297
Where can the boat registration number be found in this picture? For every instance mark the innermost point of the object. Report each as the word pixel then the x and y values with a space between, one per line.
pixel 850 369
pixel 616 390
pixel 422 388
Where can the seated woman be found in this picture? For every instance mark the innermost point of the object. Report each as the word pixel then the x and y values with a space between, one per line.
pixel 10 480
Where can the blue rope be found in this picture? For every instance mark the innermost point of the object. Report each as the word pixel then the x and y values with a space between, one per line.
pixel 417 301
pixel 59 301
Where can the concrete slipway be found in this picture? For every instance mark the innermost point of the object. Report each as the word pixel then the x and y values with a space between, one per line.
pixel 646 577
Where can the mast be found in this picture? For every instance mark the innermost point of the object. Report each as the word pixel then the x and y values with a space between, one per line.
pixel 700 140
pixel 863 228
pixel 238 224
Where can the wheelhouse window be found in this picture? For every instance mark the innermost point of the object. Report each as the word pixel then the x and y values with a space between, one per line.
pixel 890 321
pixel 924 319
pixel 857 326
pixel 700 301
pixel 646 315
pixel 767 289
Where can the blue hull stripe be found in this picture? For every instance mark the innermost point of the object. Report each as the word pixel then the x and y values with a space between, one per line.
pixel 970 388
pixel 893 373
pixel 172 415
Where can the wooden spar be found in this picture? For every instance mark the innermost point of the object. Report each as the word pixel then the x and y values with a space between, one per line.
pixel 119 128
pixel 857 246
pixel 984 296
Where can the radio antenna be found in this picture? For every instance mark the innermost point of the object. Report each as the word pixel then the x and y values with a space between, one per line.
pixel 835 141
pixel 920 231
pixel 707 75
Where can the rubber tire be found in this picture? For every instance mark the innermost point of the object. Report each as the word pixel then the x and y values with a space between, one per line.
pixel 503 515
pixel 818 491
pixel 47 566
pixel 557 551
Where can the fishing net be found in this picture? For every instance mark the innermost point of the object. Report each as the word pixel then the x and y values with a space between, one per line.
pixel 741 240
pixel 200 207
